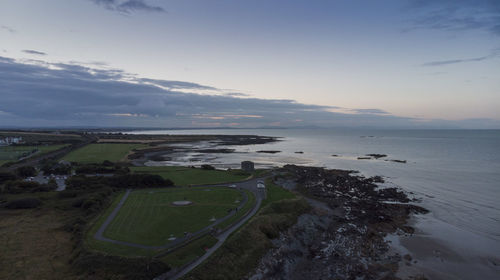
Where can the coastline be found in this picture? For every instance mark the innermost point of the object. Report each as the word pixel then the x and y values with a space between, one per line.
pixel 460 259
pixel 345 235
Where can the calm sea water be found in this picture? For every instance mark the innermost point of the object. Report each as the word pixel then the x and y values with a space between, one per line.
pixel 456 173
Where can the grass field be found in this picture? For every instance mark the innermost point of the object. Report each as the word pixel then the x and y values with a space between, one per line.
pixel 148 218
pixel 13 153
pixel 97 153
pixel 184 176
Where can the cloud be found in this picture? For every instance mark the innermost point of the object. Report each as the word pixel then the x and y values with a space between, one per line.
pixel 34 52
pixel 457 15
pixel 8 29
pixel 370 111
pixel 36 93
pixel 128 6
pixel 172 85
pixel 494 53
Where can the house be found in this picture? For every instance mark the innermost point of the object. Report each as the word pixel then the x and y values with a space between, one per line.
pixel 247 166
pixel 10 140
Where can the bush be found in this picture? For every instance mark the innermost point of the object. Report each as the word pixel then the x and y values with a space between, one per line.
pixel 7 176
pixel 24 203
pixel 67 194
pixel 107 163
pixel 52 167
pixel 26 171
pixel 114 267
pixel 105 168
pixel 207 167
pixel 138 181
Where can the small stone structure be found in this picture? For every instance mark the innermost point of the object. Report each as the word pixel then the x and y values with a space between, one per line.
pixel 247 166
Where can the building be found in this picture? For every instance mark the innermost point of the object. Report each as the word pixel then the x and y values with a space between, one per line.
pixel 247 166
pixel 11 140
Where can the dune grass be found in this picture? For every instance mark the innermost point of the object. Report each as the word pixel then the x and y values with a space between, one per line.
pixel 97 153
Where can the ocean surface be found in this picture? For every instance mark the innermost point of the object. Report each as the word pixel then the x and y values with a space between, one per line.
pixel 456 173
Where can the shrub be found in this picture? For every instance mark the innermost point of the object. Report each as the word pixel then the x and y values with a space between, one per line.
pixel 67 194
pixel 115 267
pixel 7 176
pixel 25 171
pixel 24 203
pixel 138 181
pixel 207 167
pixel 52 167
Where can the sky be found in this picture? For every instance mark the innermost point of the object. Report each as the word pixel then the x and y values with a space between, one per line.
pixel 231 63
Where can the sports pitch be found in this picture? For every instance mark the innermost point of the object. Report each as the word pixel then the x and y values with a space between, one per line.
pixel 149 218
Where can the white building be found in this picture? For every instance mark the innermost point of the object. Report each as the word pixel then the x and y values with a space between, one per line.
pixel 10 140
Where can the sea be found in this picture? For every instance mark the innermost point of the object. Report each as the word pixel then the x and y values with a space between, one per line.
pixel 454 173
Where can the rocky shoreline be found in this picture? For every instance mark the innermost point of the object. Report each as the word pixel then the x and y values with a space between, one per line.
pixel 345 236
pixel 217 144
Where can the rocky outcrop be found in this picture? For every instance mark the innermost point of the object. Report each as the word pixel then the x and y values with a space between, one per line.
pixel 346 242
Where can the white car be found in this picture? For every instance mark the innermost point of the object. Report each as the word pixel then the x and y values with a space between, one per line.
pixel 233 186
pixel 261 185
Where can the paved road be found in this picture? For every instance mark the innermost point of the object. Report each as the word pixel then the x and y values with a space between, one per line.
pixel 249 184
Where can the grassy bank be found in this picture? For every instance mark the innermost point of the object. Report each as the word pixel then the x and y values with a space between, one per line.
pixel 249 205
pixel 242 251
pixel 190 252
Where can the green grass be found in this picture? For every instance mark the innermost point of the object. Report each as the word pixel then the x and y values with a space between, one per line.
pixel 148 218
pixel 275 193
pixel 249 205
pixel 97 153
pixel 260 172
pixel 13 153
pixel 110 248
pixel 185 176
pixel 190 252
pixel 243 250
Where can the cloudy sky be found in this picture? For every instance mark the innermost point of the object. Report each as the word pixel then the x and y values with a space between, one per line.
pixel 199 63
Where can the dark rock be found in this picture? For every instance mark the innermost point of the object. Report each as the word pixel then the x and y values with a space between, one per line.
pixel 377 156
pixel 215 151
pixel 364 158
pixel 269 151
